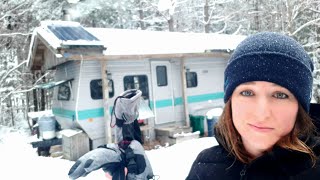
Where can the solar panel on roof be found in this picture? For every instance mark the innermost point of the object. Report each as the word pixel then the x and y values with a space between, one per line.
pixel 71 33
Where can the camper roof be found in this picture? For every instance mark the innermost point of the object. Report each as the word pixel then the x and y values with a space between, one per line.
pixel 142 42
pixel 70 41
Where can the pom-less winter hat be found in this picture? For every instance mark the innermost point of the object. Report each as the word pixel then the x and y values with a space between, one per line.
pixel 271 57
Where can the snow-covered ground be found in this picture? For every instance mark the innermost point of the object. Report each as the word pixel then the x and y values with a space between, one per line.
pixel 20 161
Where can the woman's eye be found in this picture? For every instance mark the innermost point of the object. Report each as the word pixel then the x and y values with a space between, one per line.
pixel 281 95
pixel 246 93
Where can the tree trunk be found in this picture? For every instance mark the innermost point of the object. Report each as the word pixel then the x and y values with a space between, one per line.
pixel 256 17
pixel 289 17
pixel 170 24
pixel 1 117
pixel 317 75
pixel 26 110
pixel 12 114
pixel 141 16
pixel 206 16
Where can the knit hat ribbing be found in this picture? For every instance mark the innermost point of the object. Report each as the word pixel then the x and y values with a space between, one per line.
pixel 271 57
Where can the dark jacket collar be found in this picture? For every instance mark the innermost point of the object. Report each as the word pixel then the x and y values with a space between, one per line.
pixel 288 161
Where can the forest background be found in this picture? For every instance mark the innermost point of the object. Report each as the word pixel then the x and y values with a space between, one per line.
pixel 299 19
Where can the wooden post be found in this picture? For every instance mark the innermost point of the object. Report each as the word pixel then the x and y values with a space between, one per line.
pixel 105 92
pixel 35 94
pixel 184 91
pixel 43 96
pixel 35 100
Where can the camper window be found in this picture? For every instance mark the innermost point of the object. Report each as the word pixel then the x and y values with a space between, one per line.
pixel 192 79
pixel 64 92
pixel 137 82
pixel 162 75
pixel 96 89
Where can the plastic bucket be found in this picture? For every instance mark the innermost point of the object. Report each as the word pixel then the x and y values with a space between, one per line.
pixel 197 123
pixel 47 127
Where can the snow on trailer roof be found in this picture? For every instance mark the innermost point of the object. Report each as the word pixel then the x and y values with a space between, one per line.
pixel 135 42
pixel 143 42
pixel 68 40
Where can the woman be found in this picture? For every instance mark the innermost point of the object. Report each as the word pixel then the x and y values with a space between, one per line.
pixel 265 131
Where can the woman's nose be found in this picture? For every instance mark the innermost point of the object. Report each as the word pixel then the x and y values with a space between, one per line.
pixel 263 108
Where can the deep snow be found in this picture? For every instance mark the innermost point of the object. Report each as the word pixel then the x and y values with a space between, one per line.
pixel 20 161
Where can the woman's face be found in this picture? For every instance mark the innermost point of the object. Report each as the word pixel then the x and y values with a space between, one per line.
pixel 262 113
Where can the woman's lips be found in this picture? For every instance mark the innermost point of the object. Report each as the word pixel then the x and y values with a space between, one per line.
pixel 260 128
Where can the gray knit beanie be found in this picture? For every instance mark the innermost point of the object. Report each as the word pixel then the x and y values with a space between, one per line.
pixel 271 57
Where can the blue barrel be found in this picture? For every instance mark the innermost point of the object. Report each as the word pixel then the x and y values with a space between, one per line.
pixel 211 122
pixel 212 118
pixel 47 127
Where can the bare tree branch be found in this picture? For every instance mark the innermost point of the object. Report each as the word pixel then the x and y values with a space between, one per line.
pixel 312 44
pixel 6 14
pixel 209 16
pixel 25 90
pixel 15 34
pixel 223 29
pixel 3 77
pixel 155 8
pixel 304 25
pixel 237 31
pixel 314 10
pixel 297 9
pixel 19 14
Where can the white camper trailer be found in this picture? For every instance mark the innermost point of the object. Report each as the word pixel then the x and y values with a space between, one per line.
pixel 178 73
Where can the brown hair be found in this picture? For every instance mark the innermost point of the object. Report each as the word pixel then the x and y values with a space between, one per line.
pixel 230 139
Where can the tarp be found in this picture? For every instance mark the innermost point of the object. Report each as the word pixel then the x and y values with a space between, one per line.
pixel 52 84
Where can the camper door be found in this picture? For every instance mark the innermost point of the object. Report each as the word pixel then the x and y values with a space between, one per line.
pixel 163 96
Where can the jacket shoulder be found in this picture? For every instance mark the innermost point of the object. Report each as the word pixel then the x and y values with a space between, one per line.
pixel 212 163
pixel 213 154
pixel 314 144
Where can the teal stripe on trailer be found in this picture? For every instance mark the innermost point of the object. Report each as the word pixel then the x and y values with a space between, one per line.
pixel 205 97
pixel 163 103
pixel 82 115
pixel 178 101
pixel 191 99
pixel 64 113
pixel 151 105
pixel 166 103
pixel 90 113
pixel 99 112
